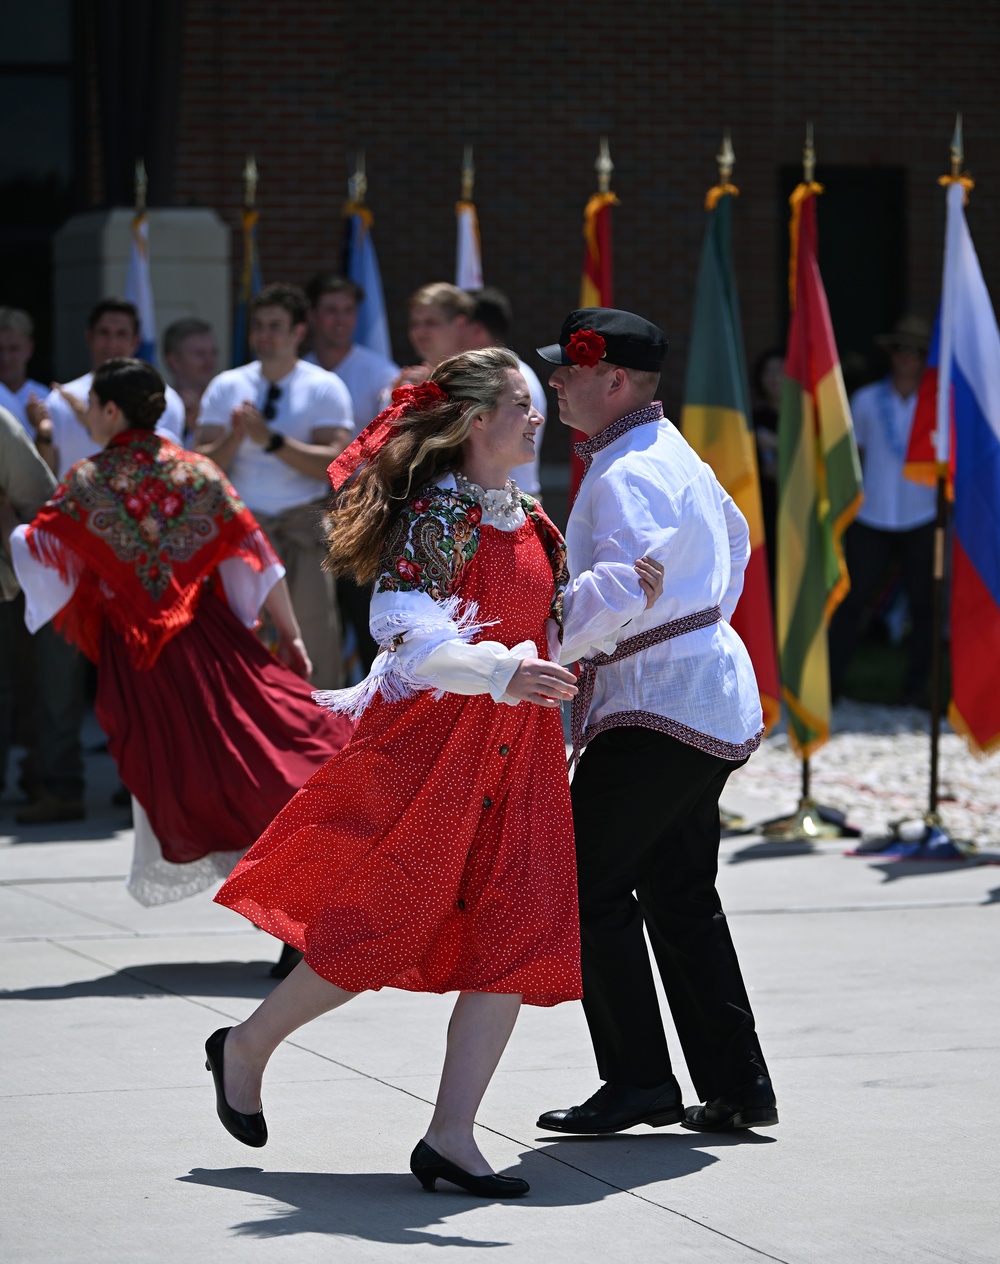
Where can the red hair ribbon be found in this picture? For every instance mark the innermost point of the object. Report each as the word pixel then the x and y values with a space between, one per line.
pixel 410 398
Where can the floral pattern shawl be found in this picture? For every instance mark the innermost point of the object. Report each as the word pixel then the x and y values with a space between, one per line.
pixel 437 535
pixel 137 528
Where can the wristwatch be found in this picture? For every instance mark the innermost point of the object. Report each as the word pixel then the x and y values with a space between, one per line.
pixel 276 442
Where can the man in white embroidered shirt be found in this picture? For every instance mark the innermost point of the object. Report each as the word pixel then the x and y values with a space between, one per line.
pixel 668 707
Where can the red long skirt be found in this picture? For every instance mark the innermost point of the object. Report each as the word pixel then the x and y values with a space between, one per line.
pixel 216 737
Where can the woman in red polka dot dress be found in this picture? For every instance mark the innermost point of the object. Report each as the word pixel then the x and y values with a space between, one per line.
pixel 435 851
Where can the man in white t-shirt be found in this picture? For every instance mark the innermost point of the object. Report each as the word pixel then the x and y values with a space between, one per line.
pixel 333 319
pixel 895 525
pixel 112 330
pixel 490 327
pixel 274 426
pixel 17 390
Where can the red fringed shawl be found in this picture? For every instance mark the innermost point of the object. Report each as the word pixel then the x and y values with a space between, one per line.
pixel 137 528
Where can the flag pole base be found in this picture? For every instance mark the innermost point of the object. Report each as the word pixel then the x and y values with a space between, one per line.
pixel 917 838
pixel 732 820
pixel 811 822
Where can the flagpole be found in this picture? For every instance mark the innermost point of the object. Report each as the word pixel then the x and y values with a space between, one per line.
pixel 141 185
pixel 926 837
pixel 811 821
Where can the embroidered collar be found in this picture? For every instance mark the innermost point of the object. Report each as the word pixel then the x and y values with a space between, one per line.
pixel 587 449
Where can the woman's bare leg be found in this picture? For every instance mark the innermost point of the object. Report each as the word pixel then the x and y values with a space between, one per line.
pixel 298 999
pixel 480 1027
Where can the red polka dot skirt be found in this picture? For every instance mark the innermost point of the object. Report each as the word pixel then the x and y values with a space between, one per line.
pixel 435 851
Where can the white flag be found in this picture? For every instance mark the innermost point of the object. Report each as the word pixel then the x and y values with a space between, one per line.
pixel 468 264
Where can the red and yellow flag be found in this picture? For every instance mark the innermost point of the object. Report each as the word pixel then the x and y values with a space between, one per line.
pixel 596 287
pixel 819 488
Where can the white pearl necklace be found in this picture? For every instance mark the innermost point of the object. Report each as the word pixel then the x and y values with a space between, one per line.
pixel 503 505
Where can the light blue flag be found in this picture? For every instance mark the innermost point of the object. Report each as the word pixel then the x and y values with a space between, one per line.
pixel 362 267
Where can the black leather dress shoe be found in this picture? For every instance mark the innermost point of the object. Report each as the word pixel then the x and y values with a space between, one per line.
pixel 752 1106
pixel 617 1106
pixel 429 1167
pixel 250 1129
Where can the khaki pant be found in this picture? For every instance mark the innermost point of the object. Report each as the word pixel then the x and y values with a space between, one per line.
pixel 298 540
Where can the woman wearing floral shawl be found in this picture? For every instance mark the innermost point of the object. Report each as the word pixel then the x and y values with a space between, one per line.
pixel 147 560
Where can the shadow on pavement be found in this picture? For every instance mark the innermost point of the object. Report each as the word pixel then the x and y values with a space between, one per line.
pixel 776 850
pixel 92 829
pixel 189 978
pixel 894 870
pixel 390 1207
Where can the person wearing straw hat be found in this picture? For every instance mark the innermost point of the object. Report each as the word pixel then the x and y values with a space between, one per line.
pixel 895 525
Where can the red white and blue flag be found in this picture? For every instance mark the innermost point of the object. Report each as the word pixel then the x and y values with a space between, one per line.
pixel 956 432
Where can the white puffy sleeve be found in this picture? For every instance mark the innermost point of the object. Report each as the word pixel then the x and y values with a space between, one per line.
pixel 45 591
pixel 739 554
pixel 605 594
pixel 424 644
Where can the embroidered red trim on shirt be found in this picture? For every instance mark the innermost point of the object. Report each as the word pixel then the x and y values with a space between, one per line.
pixel 625 649
pixel 587 449
pixel 673 728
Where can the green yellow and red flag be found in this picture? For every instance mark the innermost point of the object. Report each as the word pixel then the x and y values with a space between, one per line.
pixel 819 487
pixel 716 421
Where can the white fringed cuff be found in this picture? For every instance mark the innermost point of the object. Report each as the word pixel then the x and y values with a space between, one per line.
pixel 425 645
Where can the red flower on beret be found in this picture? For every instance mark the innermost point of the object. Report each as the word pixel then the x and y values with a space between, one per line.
pixel 585 348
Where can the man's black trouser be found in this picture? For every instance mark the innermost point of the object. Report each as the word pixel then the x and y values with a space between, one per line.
pixel 646 816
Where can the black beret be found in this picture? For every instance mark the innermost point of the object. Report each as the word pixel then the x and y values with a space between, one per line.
pixel 606 333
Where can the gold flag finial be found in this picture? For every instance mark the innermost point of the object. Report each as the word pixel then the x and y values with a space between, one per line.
pixel 357 185
pixel 809 156
pixel 726 158
pixel 468 175
pixel 604 166
pixel 957 151
pixel 958 176
pixel 141 183
pixel 250 178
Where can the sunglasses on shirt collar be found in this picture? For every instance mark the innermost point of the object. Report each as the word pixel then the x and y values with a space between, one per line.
pixel 270 408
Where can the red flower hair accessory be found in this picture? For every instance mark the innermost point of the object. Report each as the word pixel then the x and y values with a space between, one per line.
pixel 414 397
pixel 409 398
pixel 586 347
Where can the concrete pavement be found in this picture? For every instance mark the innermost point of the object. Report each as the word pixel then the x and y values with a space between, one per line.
pixel 875 991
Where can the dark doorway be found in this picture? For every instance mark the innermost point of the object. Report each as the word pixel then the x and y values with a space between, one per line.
pixel 37 163
pixel 862 220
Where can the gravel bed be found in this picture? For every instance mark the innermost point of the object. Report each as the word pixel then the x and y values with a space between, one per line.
pixel 876 768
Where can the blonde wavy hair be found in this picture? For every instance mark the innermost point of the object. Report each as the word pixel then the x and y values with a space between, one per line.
pixel 428 443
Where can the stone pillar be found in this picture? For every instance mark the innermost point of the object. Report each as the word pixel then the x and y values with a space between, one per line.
pixel 189 252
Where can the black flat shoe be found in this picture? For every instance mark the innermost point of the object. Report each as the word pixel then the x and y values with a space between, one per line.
pixel 250 1129
pixel 615 1107
pixel 752 1106
pixel 428 1166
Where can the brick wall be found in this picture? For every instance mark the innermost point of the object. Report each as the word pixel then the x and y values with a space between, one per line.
pixel 533 86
